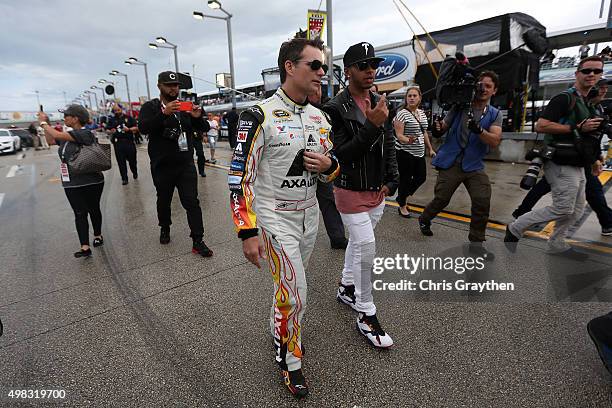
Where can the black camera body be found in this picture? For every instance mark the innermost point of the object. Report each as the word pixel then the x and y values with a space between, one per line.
pixel 543 152
pixel 171 133
pixel 605 127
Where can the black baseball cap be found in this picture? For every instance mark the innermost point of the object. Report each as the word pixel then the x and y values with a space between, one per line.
pixel 603 82
pixel 77 111
pixel 362 51
pixel 168 78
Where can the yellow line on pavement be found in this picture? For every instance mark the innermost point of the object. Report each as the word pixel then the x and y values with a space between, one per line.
pixel 604 177
pixel 548 229
pixel 455 217
pixel 544 234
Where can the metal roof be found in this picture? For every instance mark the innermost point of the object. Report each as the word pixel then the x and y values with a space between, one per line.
pixel 573 37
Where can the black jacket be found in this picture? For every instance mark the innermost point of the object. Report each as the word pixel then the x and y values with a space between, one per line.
pixel 163 148
pixel 121 135
pixel 366 153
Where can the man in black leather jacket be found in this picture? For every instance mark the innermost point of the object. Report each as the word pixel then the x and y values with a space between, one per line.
pixel 368 173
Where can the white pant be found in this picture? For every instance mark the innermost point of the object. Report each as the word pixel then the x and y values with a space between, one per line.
pixel 359 256
pixel 288 255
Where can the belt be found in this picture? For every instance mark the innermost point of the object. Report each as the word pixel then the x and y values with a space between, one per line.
pixel 295 205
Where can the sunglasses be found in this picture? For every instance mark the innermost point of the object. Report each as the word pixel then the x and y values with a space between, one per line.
pixel 587 71
pixel 316 65
pixel 363 65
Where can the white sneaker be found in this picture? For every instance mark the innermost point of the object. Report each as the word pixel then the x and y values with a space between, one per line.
pixel 370 328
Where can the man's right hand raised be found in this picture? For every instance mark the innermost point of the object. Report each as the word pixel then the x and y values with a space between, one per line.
pixel 171 107
pixel 379 114
pixel 254 249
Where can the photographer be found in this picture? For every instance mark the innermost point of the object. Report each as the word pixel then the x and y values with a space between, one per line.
pixel 170 150
pixel 569 122
pixel 83 190
pixel 460 160
pixel 594 190
pixel 121 129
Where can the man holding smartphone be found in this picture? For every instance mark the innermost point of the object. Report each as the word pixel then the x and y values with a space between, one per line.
pixel 170 149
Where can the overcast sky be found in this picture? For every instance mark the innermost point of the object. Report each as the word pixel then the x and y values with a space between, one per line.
pixel 67 45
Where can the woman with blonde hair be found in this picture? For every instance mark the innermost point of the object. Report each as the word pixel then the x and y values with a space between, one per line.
pixel 411 139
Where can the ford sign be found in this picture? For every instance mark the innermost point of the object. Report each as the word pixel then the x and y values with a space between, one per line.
pixel 392 66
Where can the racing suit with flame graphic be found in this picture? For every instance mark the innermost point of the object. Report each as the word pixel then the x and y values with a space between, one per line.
pixel 271 189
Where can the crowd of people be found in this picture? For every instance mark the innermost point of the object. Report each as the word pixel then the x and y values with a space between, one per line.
pixel 290 148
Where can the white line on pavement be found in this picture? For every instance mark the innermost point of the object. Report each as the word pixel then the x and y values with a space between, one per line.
pixel 12 171
pixel 1 198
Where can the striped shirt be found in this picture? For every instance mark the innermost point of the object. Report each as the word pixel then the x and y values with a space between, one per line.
pixel 414 124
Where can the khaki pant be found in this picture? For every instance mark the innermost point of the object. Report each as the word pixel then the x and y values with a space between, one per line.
pixel 567 184
pixel 479 188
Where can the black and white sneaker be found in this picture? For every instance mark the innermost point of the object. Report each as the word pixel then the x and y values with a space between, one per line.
pixel 370 328
pixel 296 383
pixel 346 294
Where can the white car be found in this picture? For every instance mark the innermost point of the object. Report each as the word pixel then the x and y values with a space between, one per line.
pixel 9 143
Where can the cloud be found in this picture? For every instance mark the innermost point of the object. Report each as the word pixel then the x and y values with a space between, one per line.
pixel 67 45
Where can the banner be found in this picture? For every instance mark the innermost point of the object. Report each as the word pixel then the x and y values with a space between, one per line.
pixel 316 24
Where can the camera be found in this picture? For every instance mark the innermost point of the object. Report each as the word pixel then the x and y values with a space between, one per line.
pixel 171 133
pixel 536 156
pixel 457 84
pixel 605 127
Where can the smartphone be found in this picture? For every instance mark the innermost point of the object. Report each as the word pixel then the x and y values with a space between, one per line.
pixel 185 106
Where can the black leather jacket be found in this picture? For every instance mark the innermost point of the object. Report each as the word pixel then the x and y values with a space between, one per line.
pixel 366 153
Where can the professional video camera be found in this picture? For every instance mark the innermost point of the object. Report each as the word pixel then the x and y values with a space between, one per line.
pixel 536 156
pixel 457 83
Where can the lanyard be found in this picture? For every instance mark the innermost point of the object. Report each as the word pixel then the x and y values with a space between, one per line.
pixel 174 114
pixel 484 112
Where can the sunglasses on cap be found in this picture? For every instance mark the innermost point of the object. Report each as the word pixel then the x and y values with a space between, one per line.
pixel 315 65
pixel 587 71
pixel 363 65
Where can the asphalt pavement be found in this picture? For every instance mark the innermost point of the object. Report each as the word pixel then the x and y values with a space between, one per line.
pixel 145 325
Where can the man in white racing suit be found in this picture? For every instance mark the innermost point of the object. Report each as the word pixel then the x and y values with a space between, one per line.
pixel 283 147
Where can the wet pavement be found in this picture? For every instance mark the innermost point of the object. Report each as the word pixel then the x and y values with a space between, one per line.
pixel 140 324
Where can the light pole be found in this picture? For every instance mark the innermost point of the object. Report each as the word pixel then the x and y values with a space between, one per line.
pixel 135 61
pixel 85 94
pixel 193 74
pixel 88 92
pixel 163 43
pixel 330 45
pixel 127 86
pixel 38 99
pixel 216 5
pixel 103 96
